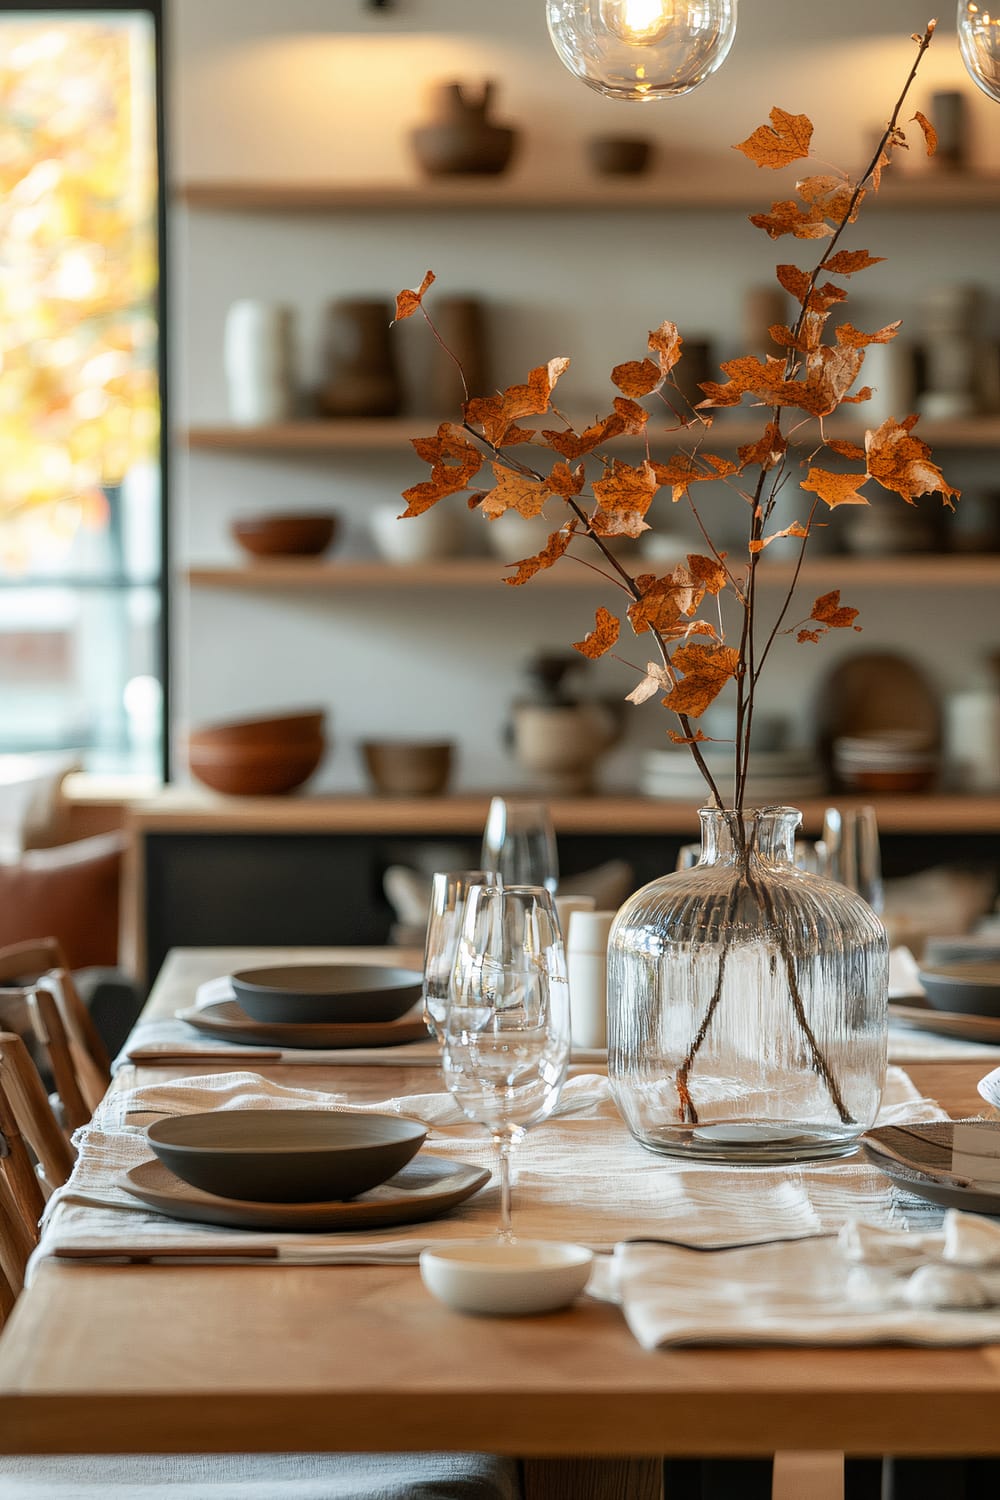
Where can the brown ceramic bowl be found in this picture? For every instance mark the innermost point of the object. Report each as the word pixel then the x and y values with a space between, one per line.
pixel 407 768
pixel 283 729
pixel 619 155
pixel 280 535
pixel 264 770
pixel 901 782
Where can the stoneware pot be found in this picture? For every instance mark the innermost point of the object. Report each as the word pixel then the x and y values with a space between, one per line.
pixel 364 379
pixel 460 137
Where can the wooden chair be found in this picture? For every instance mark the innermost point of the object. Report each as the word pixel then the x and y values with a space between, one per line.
pixel 45 959
pixel 34 1015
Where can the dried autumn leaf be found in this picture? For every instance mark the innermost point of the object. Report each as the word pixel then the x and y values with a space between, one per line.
pixel 657 680
pixel 550 554
pixel 664 600
pixel 632 414
pixel 789 217
pixel 455 461
pixel 637 377
pixel 836 489
pixel 901 462
pixel 565 481
pixel 706 670
pixel 665 343
pixel 846 262
pixel 930 134
pixel 708 571
pixel 602 637
pixel 623 496
pixel 829 611
pixel 794 280
pixel 767 451
pixel 785 140
pixel 807 635
pixel 687 739
pixel 796 529
pixel 847 334
pixel 864 394
pixel 407 302
pixel 845 448
pixel 573 445
pixel 496 414
pixel 877 170
pixel 515 491
pixel 684 469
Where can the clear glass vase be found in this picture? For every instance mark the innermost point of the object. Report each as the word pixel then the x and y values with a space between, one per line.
pixel 747 1002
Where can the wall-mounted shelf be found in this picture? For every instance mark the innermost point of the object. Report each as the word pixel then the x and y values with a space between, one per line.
pixel 916 571
pixel 396 433
pixel 930 190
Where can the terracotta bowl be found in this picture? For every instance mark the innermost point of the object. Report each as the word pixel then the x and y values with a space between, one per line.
pixel 407 768
pixel 280 535
pixel 283 729
pixel 258 770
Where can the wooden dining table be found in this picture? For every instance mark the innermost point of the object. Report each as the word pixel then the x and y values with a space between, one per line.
pixel 218 1358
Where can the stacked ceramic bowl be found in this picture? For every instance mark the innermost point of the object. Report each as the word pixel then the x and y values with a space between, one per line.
pixel 889 760
pixel 776 776
pixel 258 757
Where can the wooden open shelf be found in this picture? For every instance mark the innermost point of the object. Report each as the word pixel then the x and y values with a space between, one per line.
pixel 375 433
pixel 928 190
pixel 926 570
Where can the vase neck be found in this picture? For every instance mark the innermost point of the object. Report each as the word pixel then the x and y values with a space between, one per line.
pixel 729 837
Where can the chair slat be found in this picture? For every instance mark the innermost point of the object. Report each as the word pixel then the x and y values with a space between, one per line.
pixel 25 1092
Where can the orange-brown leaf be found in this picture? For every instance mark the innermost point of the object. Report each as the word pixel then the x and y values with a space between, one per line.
pixel 794 280
pixel 454 462
pixel 785 140
pixel 767 451
pixel 835 489
pixel 573 445
pixel 565 481
pixel 550 553
pixel 706 671
pixel 632 414
pixel 901 462
pixel 865 393
pixel 686 739
pixel 602 637
pixel 789 217
pixel 796 529
pixel 637 377
pixel 496 414
pixel 515 491
pixel 807 635
pixel 855 339
pixel 623 496
pixel 684 469
pixel 708 571
pixel 846 262
pixel 665 343
pixel 877 170
pixel 930 134
pixel 844 448
pixel 829 611
pixel 407 302
pixel 664 600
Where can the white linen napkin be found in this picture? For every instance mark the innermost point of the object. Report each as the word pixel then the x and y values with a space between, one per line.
pixel 863 1286
pixel 169 1040
pixel 579 1176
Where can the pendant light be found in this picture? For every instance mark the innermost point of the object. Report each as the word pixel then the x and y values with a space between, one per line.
pixel 979 41
pixel 642 49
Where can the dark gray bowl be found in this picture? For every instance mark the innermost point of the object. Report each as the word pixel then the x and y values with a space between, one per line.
pixel 341 994
pixel 971 989
pixel 285 1155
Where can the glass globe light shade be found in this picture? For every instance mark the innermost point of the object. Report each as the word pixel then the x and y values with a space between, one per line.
pixel 642 49
pixel 979 41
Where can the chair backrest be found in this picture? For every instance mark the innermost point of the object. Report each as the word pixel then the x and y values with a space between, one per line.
pixel 43 962
pixel 33 1013
pixel 29 1134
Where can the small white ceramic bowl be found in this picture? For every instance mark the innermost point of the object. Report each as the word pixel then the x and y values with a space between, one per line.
pixel 528 1276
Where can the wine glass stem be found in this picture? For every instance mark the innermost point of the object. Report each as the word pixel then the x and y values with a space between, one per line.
pixel 504 1146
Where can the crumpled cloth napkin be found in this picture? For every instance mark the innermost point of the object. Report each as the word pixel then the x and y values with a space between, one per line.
pixel 865 1285
pixel 579 1176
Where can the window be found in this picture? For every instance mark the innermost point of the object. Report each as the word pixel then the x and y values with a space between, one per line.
pixel 82 455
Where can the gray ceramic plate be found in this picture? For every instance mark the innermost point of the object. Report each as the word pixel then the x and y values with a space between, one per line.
pixel 338 994
pixel 427 1187
pixel 918 1013
pixel 967 988
pixel 286 1155
pixel 227 1019
pixel 938 1133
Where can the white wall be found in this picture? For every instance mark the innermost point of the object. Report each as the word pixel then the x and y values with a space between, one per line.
pixel 305 90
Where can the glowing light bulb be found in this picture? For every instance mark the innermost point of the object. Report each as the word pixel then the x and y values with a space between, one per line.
pixel 642 49
pixel 979 41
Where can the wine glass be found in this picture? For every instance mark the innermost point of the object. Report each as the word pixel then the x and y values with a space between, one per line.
pixel 506 1032
pixel 449 889
pixel 849 849
pixel 520 843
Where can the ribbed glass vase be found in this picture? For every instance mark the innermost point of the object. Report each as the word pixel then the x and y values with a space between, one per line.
pixel 747 1002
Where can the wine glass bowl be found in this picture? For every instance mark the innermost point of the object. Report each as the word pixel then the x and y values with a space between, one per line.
pixel 449 889
pixel 506 1032
pixel 519 842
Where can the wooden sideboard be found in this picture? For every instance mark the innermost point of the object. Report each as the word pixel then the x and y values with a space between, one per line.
pixel 302 870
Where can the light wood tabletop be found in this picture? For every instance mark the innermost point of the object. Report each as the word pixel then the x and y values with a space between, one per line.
pixel 219 1358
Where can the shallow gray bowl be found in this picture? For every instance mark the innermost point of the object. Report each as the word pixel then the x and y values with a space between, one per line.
pixel 285 1155
pixel 972 989
pixel 288 994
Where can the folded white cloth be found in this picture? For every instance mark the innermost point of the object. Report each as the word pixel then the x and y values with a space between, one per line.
pixel 806 1291
pixel 579 1176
